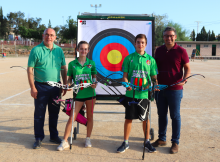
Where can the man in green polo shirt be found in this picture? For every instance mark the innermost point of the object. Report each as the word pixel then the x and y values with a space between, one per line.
pixel 47 61
pixel 139 69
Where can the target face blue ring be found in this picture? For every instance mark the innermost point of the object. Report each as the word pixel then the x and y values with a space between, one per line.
pixel 101 44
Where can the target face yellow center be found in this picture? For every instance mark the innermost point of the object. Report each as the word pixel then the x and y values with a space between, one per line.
pixel 114 56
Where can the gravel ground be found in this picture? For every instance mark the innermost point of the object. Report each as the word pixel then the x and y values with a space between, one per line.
pixel 200 130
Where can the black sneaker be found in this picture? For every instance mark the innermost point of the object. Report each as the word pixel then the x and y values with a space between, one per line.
pixel 149 147
pixel 37 144
pixel 56 140
pixel 123 147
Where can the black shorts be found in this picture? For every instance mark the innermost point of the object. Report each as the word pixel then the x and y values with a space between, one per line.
pixel 135 111
pixel 84 99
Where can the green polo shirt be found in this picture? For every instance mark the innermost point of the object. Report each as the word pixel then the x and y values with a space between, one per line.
pixel 82 74
pixel 46 63
pixel 140 68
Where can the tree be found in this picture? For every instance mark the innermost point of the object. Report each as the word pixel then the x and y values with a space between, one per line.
pixel 218 37
pixel 212 37
pixel 4 27
pixel 180 32
pixel 32 23
pixel 31 33
pixel 57 29
pixel 42 27
pixel 23 31
pixel 3 24
pixel 1 13
pixel 49 24
pixel 18 21
pixel 72 28
pixel 202 36
pixel 1 21
pixel 40 30
pixel 160 23
pixel 68 31
pixel 193 35
pixel 11 21
pixel 208 35
pixel 28 28
pixel 61 34
pixel 38 21
pixel 159 35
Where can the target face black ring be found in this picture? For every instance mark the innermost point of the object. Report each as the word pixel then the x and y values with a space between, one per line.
pixel 108 49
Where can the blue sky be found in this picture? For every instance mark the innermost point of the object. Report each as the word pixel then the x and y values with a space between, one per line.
pixel 184 13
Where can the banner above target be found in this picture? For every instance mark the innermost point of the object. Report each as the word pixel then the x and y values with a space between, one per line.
pixel 111 39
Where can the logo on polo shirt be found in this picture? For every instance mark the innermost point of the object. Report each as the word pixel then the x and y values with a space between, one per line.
pixel 82 77
pixel 74 67
pixel 139 74
pixel 89 66
pixel 148 62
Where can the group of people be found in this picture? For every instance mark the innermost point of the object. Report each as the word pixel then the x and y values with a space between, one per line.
pixel 46 63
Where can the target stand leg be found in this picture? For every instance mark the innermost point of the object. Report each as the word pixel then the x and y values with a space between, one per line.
pixel 75 133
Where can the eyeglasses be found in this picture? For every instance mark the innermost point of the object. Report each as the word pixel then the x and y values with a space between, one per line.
pixel 49 35
pixel 167 36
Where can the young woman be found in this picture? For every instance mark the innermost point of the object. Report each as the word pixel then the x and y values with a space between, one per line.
pixel 81 70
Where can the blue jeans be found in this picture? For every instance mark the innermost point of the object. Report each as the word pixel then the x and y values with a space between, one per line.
pixel 45 97
pixel 171 99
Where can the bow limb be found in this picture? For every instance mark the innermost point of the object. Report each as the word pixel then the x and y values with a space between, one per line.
pixel 195 75
pixel 187 78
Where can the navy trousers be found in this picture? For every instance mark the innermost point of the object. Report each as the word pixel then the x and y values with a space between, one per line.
pixel 171 99
pixel 45 97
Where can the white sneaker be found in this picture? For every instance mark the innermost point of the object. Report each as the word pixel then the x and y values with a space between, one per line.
pixel 88 142
pixel 63 145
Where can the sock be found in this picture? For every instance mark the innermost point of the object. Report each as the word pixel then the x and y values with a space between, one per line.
pixel 126 141
pixel 147 140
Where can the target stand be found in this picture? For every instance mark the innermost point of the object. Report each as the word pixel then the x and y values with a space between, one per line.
pixel 111 38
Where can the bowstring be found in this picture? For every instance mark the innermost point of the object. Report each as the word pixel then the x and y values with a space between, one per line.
pixel 28 72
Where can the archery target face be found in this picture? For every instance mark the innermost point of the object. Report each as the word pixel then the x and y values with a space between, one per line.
pixel 108 49
pixel 110 42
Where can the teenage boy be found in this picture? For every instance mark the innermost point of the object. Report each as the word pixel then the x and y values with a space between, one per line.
pixel 138 68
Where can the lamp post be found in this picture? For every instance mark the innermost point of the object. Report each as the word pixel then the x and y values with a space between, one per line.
pixel 96 6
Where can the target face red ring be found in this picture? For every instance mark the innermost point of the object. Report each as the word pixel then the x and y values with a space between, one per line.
pixel 108 49
pixel 112 56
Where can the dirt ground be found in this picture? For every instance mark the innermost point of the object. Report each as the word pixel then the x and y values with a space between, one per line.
pixel 200 132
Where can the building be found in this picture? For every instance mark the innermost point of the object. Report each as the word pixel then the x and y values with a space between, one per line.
pixel 207 49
